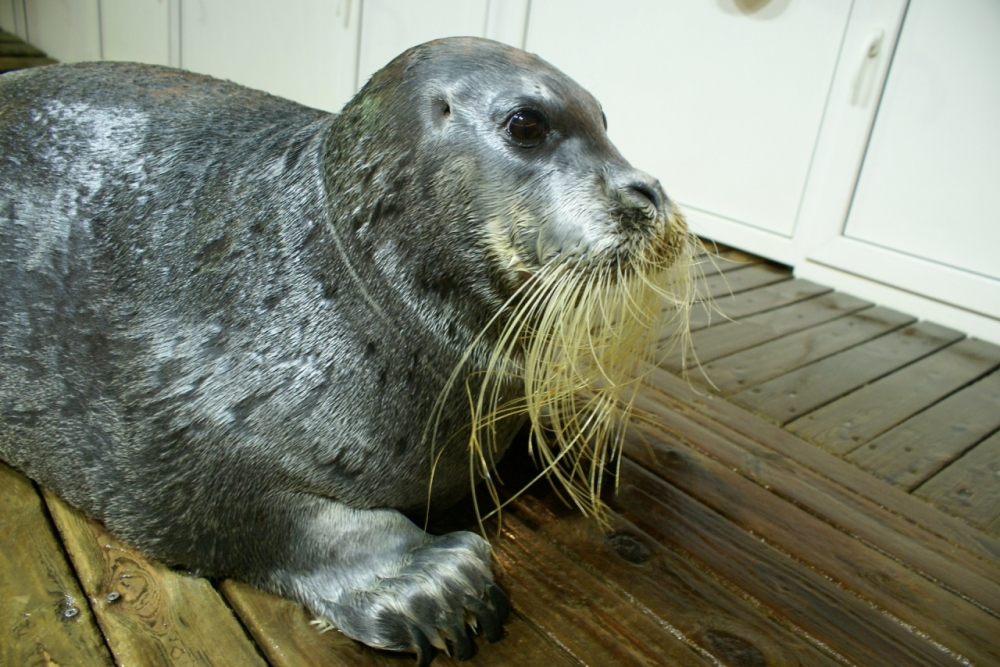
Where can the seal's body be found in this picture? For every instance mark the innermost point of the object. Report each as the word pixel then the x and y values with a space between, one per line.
pixel 226 319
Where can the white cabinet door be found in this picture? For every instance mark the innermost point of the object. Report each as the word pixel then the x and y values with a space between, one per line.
pixel 719 99
pixel 305 50
pixel 389 27
pixel 67 30
pixel 139 31
pixel 925 216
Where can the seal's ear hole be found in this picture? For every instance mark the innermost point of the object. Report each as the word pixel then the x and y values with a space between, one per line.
pixel 444 108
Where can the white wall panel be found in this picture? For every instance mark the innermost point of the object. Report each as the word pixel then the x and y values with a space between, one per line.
pixel 136 30
pixel 389 27
pixel 67 30
pixel 720 100
pixel 305 50
pixel 930 181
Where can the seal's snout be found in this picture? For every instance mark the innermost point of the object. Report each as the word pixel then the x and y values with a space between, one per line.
pixel 646 193
pixel 641 191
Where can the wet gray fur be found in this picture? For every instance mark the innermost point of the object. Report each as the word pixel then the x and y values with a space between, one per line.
pixel 225 317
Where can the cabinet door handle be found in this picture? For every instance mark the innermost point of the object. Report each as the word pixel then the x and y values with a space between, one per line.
pixel 864 82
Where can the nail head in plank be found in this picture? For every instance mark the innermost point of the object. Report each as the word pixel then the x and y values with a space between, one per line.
pixel 859 517
pixel 953 621
pixel 755 301
pixel 729 337
pixel 688 599
pixel 912 452
pixel 853 420
pixel 769 360
pixel 591 622
pixel 741 279
pixel 794 394
pixel 160 616
pixel 44 616
pixel 849 625
pixel 969 487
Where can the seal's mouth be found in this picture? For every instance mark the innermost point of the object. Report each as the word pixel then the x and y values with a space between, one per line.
pixel 579 334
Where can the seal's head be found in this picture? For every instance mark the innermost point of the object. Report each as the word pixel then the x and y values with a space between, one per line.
pixel 572 258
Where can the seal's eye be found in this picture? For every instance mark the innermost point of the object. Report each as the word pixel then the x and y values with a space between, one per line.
pixel 527 127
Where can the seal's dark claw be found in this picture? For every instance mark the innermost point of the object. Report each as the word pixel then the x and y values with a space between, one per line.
pixel 461 646
pixel 487 620
pixel 425 652
pixel 500 602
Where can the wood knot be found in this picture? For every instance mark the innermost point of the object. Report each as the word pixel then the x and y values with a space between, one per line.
pixel 629 548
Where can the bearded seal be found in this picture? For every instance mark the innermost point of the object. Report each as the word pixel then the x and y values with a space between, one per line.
pixel 253 338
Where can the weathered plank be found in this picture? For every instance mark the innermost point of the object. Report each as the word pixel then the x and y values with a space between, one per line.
pixel 15 47
pixel 564 603
pixel 44 617
pixel 880 582
pixel 853 420
pixel 755 301
pixel 740 280
pixel 689 600
pixel 918 448
pixel 850 626
pixel 154 616
pixel 903 512
pixel 11 63
pixel 727 338
pixel 283 632
pixel 764 362
pixel 794 394
pixel 970 487
pixel 710 263
pixel 856 516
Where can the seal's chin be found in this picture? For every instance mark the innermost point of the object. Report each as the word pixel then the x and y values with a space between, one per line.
pixel 579 334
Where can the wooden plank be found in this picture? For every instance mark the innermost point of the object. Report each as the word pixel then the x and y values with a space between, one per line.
pixel 853 420
pixel 914 451
pixel 907 600
pixel 160 616
pixel 850 625
pixel 283 632
pixel 764 362
pixel 709 264
pixel 853 515
pixel 729 337
pixel 794 394
pixel 740 280
pixel 18 48
pixel 564 603
pixel 689 600
pixel 44 617
pixel 901 511
pixel 755 301
pixel 969 487
pixel 8 64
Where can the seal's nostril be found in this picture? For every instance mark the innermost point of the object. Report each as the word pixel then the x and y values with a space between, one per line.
pixel 646 192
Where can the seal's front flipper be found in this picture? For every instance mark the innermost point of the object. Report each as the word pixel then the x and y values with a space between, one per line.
pixel 390 585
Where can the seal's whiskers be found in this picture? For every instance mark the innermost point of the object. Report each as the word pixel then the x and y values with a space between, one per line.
pixel 580 338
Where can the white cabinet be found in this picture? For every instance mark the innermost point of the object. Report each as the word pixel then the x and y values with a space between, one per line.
pixel 389 27
pixel 304 50
pixel 67 30
pixel 759 116
pixel 142 31
pixel 721 102
pixel 918 226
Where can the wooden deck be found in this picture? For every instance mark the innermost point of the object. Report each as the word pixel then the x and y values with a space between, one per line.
pixel 784 517
pixel 833 499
